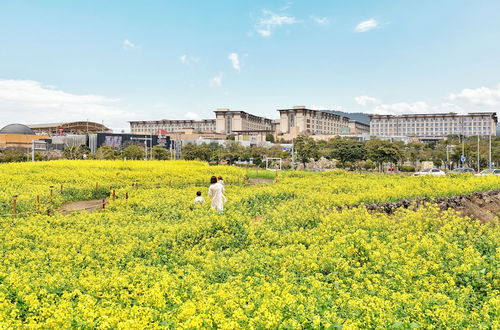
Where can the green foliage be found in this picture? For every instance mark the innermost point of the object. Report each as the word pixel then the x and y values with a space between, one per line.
pixel 306 148
pixel 160 153
pixel 105 152
pixel 347 150
pixel 381 151
pixel 270 137
pixel 133 152
pixel 11 156
pixel 407 168
pixel 76 152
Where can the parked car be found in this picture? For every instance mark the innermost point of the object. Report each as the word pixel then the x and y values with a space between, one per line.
pixel 489 171
pixel 462 170
pixel 430 171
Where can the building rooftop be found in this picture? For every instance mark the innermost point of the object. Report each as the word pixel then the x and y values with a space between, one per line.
pixel 17 129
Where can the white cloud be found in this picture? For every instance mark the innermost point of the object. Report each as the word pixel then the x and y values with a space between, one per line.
pixel 188 60
pixel 129 45
pixel 402 108
pixel 216 81
pixel 364 100
pixel 479 96
pixel 320 20
pixel 193 116
pixel 235 61
pixel 367 25
pixel 287 6
pixel 271 21
pixel 30 102
pixel 264 33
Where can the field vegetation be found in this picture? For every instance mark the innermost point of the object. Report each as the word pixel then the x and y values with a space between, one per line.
pixel 280 256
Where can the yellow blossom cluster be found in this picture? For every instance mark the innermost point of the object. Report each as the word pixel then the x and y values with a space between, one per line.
pixel 280 256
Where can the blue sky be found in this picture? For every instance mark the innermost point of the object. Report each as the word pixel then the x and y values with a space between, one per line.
pixel 115 61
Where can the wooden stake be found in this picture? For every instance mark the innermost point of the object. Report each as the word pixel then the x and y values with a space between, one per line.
pixel 15 206
pixel 62 185
pixel 51 193
pixel 126 196
pixel 114 194
pixel 103 203
pixel 96 187
pixel 38 202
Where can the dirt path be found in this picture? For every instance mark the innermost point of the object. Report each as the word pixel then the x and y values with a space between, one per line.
pixel 260 180
pixel 81 206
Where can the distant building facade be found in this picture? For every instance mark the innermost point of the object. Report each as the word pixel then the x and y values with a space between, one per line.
pixel 76 127
pixel 154 126
pixel 300 120
pixel 434 126
pixel 229 122
pixel 18 136
pixel 357 127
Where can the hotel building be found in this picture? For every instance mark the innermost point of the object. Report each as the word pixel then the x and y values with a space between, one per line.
pixel 433 126
pixel 300 120
pixel 153 126
pixel 229 122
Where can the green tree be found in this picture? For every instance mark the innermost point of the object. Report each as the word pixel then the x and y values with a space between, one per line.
pixel 202 152
pixel 105 152
pixel 133 152
pixel 76 152
pixel 347 151
pixel 381 151
pixel 306 148
pixel 11 156
pixel 270 137
pixel 160 153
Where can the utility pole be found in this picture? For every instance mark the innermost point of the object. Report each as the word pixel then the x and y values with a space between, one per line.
pixel 33 150
pixel 478 164
pixel 489 153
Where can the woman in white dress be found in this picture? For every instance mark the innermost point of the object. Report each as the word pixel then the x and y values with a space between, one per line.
pixel 216 193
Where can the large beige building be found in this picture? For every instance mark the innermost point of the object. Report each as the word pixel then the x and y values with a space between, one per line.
pixel 300 120
pixel 153 126
pixel 229 122
pixel 434 126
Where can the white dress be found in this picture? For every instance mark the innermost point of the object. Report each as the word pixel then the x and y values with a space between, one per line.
pixel 216 192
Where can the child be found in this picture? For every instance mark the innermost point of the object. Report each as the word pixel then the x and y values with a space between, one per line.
pixel 199 199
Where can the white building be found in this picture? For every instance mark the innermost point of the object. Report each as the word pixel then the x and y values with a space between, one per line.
pixel 434 126
pixel 153 126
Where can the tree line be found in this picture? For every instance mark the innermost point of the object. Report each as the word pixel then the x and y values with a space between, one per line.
pixel 348 153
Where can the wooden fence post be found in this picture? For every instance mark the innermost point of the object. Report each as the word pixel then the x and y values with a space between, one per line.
pixel 114 194
pixel 96 187
pixel 15 205
pixel 62 185
pixel 51 192
pixel 38 202
pixel 126 197
pixel 103 203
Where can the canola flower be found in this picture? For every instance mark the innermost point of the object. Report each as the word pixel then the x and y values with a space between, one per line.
pixel 281 256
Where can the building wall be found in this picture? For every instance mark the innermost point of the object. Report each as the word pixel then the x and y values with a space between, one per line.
pixel 301 120
pixel 153 126
pixel 19 140
pixel 357 127
pixel 228 121
pixel 433 125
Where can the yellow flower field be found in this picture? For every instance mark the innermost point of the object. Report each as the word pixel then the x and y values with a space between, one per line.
pixel 280 256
